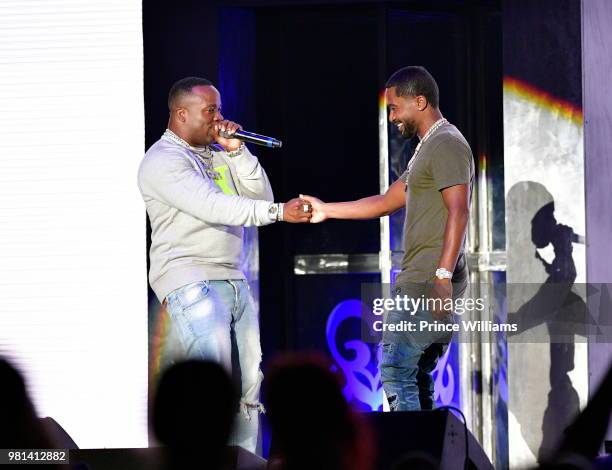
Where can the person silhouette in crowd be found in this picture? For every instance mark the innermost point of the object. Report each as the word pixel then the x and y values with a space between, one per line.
pixel 20 427
pixel 193 410
pixel 311 422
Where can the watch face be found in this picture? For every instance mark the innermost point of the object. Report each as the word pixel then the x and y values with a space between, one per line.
pixel 443 274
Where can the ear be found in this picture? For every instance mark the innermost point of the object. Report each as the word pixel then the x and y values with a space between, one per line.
pixel 422 103
pixel 181 114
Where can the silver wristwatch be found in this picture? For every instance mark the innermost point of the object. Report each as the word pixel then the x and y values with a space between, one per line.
pixel 442 273
pixel 275 212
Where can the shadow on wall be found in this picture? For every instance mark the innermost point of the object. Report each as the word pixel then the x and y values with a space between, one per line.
pixel 548 313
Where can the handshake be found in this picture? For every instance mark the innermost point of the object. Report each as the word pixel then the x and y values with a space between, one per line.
pixel 304 209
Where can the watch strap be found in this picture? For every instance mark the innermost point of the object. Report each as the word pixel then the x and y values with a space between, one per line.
pixel 442 273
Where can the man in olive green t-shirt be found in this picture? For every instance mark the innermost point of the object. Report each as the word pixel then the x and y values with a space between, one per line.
pixel 436 190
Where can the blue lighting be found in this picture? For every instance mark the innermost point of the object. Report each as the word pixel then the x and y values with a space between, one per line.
pixel 358 361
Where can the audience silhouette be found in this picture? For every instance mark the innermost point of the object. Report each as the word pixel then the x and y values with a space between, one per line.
pixel 312 425
pixel 20 427
pixel 311 422
pixel 193 411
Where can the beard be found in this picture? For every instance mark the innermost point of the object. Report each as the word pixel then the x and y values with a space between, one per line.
pixel 408 130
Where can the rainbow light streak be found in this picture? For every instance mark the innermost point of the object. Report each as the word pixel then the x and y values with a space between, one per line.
pixel 162 326
pixel 382 101
pixel 484 182
pixel 544 99
pixel 483 164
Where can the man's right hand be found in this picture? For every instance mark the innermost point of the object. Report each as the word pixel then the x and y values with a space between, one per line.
pixel 371 207
pixel 318 212
pixel 293 211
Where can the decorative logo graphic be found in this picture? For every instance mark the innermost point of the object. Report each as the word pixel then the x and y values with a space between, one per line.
pixel 355 357
pixel 444 379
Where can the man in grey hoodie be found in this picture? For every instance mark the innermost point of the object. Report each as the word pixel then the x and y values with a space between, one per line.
pixel 200 189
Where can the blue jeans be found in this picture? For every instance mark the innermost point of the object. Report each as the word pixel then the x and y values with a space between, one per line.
pixel 406 374
pixel 409 358
pixel 203 316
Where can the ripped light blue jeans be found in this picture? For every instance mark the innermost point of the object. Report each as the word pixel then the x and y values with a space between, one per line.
pixel 408 359
pixel 204 316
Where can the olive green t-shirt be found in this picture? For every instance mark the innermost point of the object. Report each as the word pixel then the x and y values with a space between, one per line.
pixel 444 160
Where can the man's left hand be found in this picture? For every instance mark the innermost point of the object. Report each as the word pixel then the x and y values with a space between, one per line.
pixel 230 145
pixel 441 289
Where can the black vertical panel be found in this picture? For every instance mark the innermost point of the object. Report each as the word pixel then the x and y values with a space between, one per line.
pixel 317 88
pixel 490 73
pixel 237 61
pixel 317 76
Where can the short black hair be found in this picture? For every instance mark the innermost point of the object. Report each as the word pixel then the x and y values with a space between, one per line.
pixel 183 87
pixel 415 80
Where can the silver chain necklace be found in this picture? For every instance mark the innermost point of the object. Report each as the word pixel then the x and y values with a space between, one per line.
pixel 436 125
pixel 203 154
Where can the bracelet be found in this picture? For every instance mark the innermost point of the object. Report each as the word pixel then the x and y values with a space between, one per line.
pixel 279 213
pixel 237 152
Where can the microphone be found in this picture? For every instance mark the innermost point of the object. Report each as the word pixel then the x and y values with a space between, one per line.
pixel 252 138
